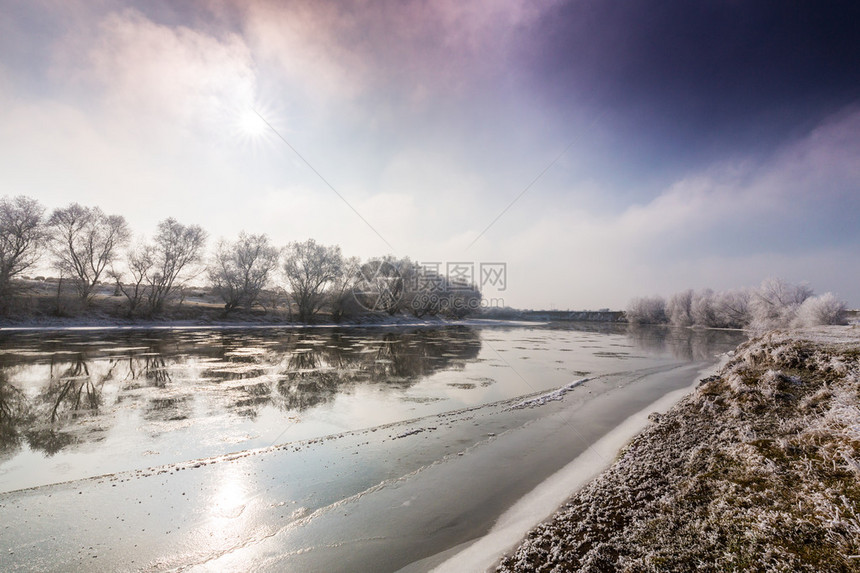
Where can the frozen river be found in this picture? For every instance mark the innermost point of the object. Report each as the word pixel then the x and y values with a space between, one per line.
pixel 309 450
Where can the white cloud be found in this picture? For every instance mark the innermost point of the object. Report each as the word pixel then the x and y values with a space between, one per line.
pixel 139 121
pixel 412 54
pixel 152 75
pixel 732 225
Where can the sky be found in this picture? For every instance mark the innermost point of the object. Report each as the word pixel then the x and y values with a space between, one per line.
pixel 600 150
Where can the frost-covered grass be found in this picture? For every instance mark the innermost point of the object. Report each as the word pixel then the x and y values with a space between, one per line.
pixel 759 469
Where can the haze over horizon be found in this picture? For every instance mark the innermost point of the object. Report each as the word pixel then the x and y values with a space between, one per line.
pixel 601 150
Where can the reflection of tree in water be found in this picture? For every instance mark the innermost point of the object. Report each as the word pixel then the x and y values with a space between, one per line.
pixel 72 391
pixel 596 327
pixel 14 412
pixel 685 343
pixel 51 420
pixel 168 409
pixel 251 397
pixel 155 370
pixel 303 390
pixel 69 395
pixel 316 374
pixel 151 367
pixel 290 370
pixel 48 439
pixel 309 379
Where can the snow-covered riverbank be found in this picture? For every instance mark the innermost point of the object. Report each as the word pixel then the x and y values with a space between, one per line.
pixel 756 469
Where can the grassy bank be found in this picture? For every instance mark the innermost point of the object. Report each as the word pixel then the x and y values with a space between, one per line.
pixel 758 469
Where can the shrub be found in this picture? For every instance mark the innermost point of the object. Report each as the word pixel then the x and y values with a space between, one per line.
pixel 646 310
pixel 821 310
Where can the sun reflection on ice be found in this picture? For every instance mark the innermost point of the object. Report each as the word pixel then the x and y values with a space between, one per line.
pixel 230 497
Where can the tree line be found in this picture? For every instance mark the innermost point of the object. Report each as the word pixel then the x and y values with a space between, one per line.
pixel 88 247
pixel 775 303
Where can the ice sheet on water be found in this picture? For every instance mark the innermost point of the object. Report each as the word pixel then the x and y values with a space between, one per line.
pixel 549 396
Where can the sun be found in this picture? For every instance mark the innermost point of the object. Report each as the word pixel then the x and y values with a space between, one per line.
pixel 253 127
pixel 250 125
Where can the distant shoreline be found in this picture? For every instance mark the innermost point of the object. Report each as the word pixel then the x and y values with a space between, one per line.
pixel 42 309
pixel 112 325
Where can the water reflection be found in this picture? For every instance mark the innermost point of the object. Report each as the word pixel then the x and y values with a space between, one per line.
pixel 73 391
pixel 192 392
pixel 149 368
pixel 169 409
pixel 684 343
pixel 14 412
pixel 72 394
pixel 53 391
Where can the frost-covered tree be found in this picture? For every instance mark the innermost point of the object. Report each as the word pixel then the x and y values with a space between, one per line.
pixel 646 310
pixel 678 308
pixel 776 302
pixel 311 269
pixel 702 308
pixel 732 308
pixel 85 241
pixel 705 308
pixel 424 288
pixel 381 284
pixel 461 299
pixel 21 237
pixel 240 270
pixel 821 310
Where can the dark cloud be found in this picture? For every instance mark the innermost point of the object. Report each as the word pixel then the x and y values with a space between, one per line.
pixel 702 78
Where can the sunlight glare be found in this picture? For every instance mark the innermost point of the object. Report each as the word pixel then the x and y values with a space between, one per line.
pixel 229 499
pixel 250 125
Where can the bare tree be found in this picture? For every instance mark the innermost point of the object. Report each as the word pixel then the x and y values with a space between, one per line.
pixel 311 269
pixel 342 291
pixel 427 292
pixel 85 242
pixel 21 236
pixel 139 261
pixel 154 270
pixel 176 249
pixel 240 270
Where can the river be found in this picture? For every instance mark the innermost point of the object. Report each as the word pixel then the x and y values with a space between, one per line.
pixel 322 449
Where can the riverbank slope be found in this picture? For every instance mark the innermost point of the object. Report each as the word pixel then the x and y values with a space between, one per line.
pixel 759 468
